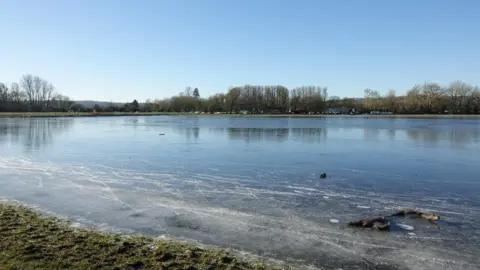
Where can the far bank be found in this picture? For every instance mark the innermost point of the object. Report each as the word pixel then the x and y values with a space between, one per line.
pixel 105 114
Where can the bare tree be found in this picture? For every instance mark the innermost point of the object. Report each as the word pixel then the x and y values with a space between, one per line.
pixel 28 87
pixel 432 93
pixel 3 97
pixel 391 100
pixel 15 87
pixel 61 102
pixel 325 93
pixel 16 96
pixel 37 85
pixel 458 93
pixel 3 93
pixel 47 90
pixel 282 98
pixel 188 91
pixel 473 102
pixel 232 98
pixel 413 99
pixel 371 99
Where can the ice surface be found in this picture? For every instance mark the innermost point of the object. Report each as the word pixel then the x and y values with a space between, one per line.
pixel 406 227
pixel 291 221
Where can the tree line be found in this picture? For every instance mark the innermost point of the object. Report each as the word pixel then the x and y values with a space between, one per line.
pixel 32 94
pixel 35 94
pixel 428 98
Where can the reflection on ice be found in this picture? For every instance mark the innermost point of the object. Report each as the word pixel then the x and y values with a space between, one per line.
pixel 294 221
pixel 33 133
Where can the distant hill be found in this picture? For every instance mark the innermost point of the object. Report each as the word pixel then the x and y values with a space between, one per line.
pixel 91 103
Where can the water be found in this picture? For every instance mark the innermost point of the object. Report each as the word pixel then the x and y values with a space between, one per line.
pixel 253 183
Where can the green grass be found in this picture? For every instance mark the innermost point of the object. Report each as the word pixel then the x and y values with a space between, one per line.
pixel 67 114
pixel 29 240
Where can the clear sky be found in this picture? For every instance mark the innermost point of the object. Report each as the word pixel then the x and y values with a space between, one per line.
pixel 120 50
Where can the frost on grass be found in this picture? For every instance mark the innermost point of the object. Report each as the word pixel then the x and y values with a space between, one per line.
pixel 33 241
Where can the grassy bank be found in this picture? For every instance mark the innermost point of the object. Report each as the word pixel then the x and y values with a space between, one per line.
pixel 67 114
pixel 29 240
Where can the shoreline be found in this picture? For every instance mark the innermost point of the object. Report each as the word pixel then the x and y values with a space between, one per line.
pixel 32 240
pixel 119 114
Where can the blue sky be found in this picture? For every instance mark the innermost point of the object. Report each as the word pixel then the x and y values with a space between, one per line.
pixel 121 50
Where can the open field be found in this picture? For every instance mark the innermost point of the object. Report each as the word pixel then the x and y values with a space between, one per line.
pixel 67 114
pixel 33 241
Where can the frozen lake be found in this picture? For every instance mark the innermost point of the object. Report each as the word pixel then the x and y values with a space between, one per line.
pixel 253 183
